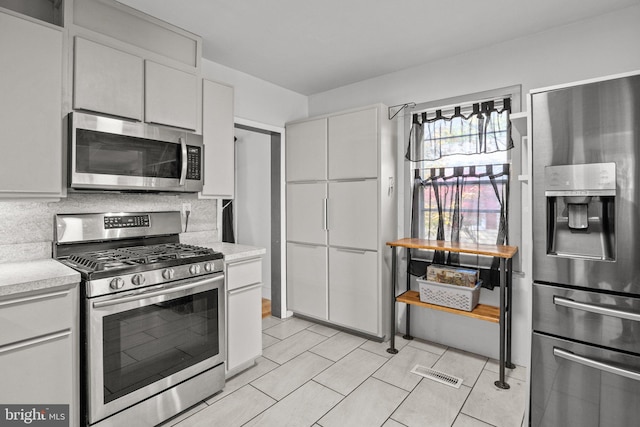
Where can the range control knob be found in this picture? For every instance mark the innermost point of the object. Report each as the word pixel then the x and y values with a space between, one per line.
pixel 138 279
pixel 194 269
pixel 208 267
pixel 168 273
pixel 116 283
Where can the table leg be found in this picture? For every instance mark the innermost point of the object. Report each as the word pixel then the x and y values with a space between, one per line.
pixel 503 284
pixel 508 363
pixel 394 272
pixel 407 335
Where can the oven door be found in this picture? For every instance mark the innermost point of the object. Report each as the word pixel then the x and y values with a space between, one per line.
pixel 142 343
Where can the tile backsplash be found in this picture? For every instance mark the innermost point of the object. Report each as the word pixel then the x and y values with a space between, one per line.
pixel 26 228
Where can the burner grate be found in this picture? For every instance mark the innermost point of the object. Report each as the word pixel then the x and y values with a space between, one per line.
pixel 136 255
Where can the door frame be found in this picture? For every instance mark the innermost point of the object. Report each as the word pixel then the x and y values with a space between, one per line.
pixel 278 216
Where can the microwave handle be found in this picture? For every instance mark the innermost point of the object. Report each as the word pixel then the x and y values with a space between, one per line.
pixel 183 174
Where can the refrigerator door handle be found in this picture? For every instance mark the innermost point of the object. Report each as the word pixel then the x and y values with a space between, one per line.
pixel 596 364
pixel 598 309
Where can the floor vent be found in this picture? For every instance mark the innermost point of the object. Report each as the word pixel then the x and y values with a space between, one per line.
pixel 441 377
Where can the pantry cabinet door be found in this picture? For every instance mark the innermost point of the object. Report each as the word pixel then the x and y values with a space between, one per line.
pixel 353 145
pixel 353 289
pixel 353 214
pixel 107 80
pixel 306 151
pixel 171 96
pixel 306 213
pixel 307 280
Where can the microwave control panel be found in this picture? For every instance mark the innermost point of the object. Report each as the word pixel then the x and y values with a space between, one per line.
pixel 193 162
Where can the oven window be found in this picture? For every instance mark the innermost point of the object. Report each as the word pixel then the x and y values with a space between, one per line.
pixel 106 153
pixel 148 343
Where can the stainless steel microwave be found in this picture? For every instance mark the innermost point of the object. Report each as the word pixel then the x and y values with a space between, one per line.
pixel 113 154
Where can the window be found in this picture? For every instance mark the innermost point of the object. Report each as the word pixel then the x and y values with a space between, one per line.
pixel 462 172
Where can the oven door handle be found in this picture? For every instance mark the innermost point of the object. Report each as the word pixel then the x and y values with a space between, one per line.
pixel 596 364
pixel 597 309
pixel 155 292
pixel 183 173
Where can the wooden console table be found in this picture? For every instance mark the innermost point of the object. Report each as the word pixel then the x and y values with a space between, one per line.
pixel 500 315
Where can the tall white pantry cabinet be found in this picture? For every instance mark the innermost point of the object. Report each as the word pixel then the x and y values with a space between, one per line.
pixel 341 210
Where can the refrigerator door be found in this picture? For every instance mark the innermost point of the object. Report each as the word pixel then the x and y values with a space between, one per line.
pixel 579 385
pixel 596 123
pixel 593 317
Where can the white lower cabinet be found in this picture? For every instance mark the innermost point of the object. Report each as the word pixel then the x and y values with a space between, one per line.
pixel 244 318
pixel 307 279
pixel 354 289
pixel 39 350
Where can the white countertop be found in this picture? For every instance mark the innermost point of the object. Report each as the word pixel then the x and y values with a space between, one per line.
pixel 235 252
pixel 29 276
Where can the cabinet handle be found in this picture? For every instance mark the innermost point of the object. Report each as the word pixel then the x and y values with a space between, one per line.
pixel 34 298
pixel 598 309
pixel 244 289
pixel 183 174
pixel 241 262
pixel 33 341
pixel 581 360
pixel 325 214
pixel 353 251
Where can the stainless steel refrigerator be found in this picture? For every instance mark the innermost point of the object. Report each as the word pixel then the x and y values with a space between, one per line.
pixel 586 254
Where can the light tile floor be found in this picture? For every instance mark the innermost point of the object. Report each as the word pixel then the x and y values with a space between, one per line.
pixel 313 375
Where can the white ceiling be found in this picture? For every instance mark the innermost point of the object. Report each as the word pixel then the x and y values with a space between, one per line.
pixel 314 46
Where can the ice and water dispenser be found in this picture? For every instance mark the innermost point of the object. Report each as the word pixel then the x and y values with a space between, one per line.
pixel 581 211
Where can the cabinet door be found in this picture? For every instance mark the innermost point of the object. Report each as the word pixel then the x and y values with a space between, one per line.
pixel 353 289
pixel 306 213
pixel 30 108
pixel 307 280
pixel 244 326
pixel 107 80
pixel 353 214
pixel 306 151
pixel 170 96
pixel 217 134
pixel 353 145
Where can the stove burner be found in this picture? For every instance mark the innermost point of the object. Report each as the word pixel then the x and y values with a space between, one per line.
pixel 136 255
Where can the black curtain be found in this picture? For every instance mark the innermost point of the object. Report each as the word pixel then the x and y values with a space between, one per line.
pixel 227 221
pixel 485 129
pixel 460 204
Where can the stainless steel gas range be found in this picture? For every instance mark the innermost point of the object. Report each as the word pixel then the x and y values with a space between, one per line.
pixel 152 315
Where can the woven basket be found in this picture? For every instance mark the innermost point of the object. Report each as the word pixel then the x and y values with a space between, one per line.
pixel 453 296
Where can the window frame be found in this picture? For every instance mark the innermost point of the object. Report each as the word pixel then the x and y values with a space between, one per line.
pixel 514 157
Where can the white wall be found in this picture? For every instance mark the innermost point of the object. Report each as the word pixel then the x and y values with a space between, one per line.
pixel 252 204
pixel 258 100
pixel 592 48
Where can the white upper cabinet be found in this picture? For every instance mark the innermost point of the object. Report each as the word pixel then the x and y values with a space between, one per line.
pixel 30 108
pixel 107 80
pixel 131 65
pixel 306 151
pixel 353 145
pixel 171 96
pixel 218 134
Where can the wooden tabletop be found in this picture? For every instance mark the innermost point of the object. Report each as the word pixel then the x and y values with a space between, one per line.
pixel 500 251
